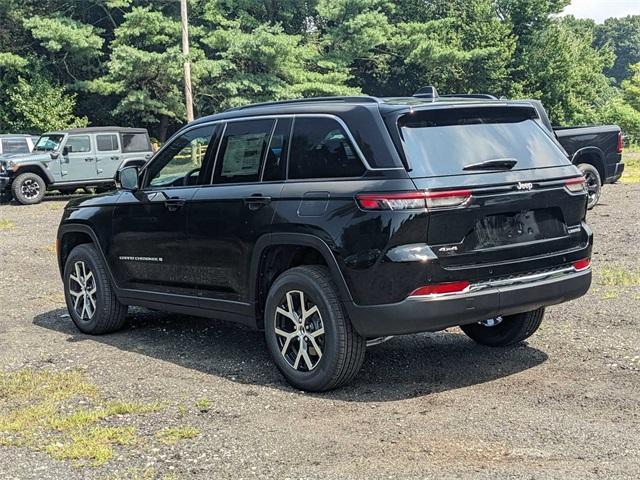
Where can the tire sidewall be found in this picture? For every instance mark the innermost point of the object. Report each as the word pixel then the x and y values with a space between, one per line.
pixel 17 188
pixel 82 253
pixel 323 371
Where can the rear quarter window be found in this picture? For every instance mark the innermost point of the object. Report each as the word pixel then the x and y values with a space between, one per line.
pixel 443 142
pixel 135 142
pixel 320 148
pixel 14 145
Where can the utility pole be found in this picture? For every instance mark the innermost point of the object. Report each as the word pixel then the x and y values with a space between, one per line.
pixel 188 94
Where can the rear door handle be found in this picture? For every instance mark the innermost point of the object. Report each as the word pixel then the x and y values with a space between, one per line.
pixel 256 201
pixel 174 204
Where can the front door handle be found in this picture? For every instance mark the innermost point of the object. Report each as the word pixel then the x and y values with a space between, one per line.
pixel 174 204
pixel 89 159
pixel 256 201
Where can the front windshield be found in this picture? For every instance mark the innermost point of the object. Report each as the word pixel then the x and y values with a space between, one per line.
pixel 48 143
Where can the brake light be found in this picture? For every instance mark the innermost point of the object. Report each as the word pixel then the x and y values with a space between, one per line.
pixel 620 142
pixel 580 265
pixel 576 185
pixel 413 200
pixel 440 288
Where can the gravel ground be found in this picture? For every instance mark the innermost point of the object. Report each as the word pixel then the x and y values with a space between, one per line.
pixel 564 405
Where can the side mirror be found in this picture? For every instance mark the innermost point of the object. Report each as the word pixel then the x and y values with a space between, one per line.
pixel 65 151
pixel 128 178
pixel 54 155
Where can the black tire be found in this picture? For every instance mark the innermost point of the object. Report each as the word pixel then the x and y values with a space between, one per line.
pixel 28 188
pixel 594 183
pixel 342 349
pixel 109 315
pixel 511 330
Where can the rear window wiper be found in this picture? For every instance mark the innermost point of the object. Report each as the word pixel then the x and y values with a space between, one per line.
pixel 496 164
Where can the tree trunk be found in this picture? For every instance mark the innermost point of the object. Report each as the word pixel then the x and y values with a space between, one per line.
pixel 162 129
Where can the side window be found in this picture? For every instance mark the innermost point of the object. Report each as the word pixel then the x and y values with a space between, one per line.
pixel 78 144
pixel 275 165
pixel 320 148
pixel 107 143
pixel 14 145
pixel 180 162
pixel 242 151
pixel 135 142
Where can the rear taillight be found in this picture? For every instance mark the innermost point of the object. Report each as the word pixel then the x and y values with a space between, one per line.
pixel 413 200
pixel 580 265
pixel 576 185
pixel 620 142
pixel 440 288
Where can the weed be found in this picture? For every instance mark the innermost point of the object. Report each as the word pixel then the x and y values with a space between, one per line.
pixel 6 224
pixel 172 435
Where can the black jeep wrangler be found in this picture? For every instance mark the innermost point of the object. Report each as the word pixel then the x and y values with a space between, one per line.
pixel 331 223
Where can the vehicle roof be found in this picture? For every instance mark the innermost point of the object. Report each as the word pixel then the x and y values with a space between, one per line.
pixel 337 105
pixel 16 135
pixel 100 129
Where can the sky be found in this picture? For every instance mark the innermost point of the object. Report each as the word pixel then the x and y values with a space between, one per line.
pixel 599 10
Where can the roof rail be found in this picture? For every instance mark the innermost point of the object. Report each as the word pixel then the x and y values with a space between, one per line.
pixel 353 99
pixel 470 95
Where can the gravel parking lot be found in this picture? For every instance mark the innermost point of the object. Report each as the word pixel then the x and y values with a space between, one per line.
pixel 174 397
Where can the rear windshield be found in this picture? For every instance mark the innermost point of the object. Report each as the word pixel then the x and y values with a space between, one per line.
pixel 445 141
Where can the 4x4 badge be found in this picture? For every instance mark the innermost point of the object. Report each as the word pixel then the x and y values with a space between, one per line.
pixel 524 186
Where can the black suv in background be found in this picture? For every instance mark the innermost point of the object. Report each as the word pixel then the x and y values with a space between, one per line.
pixel 332 222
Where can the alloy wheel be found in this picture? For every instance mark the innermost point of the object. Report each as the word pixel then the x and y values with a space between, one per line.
pixel 83 289
pixel 299 331
pixel 30 188
pixel 593 186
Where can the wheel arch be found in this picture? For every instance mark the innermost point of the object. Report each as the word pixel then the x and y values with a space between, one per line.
pixel 72 235
pixel 277 252
pixel 36 168
pixel 593 156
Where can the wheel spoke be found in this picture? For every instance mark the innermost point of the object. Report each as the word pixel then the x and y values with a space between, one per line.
pixel 317 333
pixel 307 359
pixel 298 357
pixel 284 313
pixel 312 311
pixel 316 347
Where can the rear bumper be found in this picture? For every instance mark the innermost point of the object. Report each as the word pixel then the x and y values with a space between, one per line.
pixel 437 312
pixel 618 173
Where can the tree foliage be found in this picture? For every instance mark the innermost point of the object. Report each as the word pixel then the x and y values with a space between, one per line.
pixel 120 61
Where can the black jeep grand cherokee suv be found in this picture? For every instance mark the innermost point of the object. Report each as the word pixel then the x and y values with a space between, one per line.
pixel 330 222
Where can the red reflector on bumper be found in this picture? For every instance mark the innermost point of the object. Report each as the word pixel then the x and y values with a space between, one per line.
pixel 439 288
pixel 581 264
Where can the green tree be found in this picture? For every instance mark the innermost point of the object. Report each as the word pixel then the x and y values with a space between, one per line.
pixel 623 34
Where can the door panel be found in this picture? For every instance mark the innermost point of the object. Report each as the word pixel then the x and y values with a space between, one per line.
pixel 228 217
pixel 225 223
pixel 108 155
pixel 149 241
pixel 150 246
pixel 80 162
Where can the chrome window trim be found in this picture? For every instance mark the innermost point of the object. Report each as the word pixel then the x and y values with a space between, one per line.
pixel 293 116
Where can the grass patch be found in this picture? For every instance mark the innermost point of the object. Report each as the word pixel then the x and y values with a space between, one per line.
pixel 172 435
pixel 631 172
pixel 6 224
pixel 62 414
pixel 96 444
pixel 618 277
pixel 203 405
